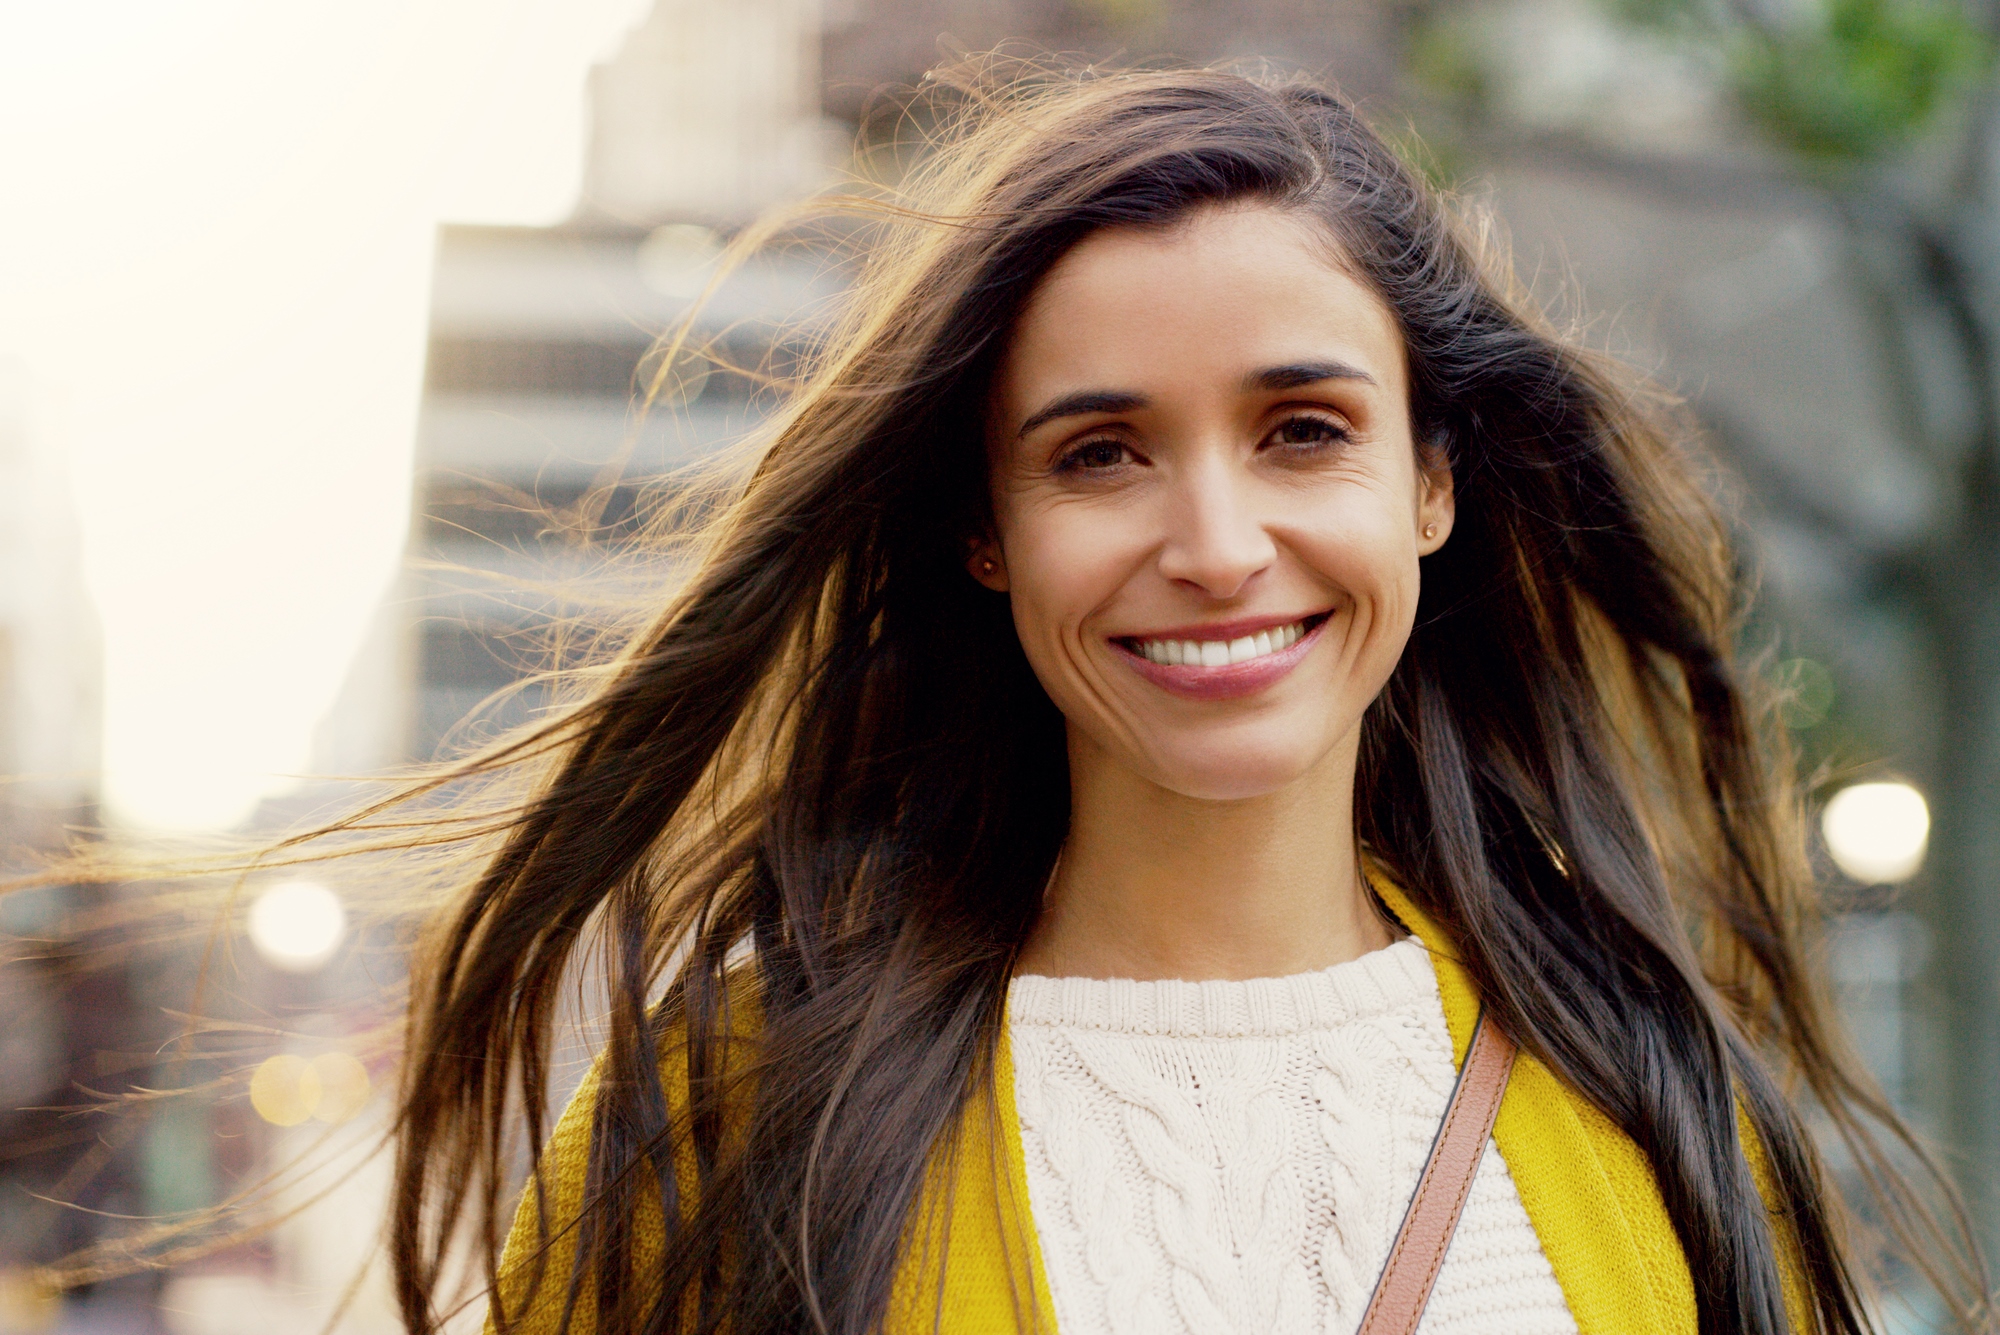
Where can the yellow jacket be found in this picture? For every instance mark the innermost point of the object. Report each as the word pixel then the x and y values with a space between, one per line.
pixel 1587 1189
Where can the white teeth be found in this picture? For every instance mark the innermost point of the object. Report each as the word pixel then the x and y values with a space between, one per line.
pixel 1221 653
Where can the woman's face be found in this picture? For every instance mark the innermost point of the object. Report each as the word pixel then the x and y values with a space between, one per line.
pixel 1208 504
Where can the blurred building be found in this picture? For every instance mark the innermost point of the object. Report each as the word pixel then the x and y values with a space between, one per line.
pixel 50 675
pixel 533 441
pixel 55 1012
pixel 710 113
pixel 533 447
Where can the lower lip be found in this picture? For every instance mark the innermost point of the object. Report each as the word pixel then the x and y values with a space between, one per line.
pixel 1229 682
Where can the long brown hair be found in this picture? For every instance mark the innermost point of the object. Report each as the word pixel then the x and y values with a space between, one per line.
pixel 825 766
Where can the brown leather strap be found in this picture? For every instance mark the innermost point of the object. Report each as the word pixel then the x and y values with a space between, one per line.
pixel 1412 1269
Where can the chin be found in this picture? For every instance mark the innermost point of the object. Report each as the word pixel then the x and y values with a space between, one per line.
pixel 1233 771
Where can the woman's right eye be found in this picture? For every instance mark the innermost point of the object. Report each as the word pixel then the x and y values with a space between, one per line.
pixel 1093 456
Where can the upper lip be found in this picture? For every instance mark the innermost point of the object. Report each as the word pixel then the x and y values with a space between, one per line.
pixel 1223 630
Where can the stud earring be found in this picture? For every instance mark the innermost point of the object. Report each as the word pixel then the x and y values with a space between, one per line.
pixel 1430 530
pixel 986 565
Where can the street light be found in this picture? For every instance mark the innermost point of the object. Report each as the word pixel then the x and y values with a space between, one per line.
pixel 297 925
pixel 287 1089
pixel 1877 832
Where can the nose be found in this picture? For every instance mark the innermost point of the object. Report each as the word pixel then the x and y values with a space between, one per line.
pixel 1216 538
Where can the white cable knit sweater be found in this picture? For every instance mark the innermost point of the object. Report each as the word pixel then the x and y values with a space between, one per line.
pixel 1236 1156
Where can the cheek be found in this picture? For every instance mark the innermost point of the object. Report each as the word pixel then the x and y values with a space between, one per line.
pixel 1063 562
pixel 1368 553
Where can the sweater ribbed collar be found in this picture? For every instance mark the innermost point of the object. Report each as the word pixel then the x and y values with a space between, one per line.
pixel 1391 978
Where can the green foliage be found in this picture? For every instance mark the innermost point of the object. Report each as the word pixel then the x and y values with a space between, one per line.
pixel 1844 81
pixel 1444 57
pixel 1872 75
pixel 1677 16
pixel 1436 160
pixel 1123 13
pixel 1807 691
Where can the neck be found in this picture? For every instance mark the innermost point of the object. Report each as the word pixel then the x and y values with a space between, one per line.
pixel 1156 884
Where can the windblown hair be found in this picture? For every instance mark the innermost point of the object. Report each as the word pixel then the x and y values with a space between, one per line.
pixel 827 768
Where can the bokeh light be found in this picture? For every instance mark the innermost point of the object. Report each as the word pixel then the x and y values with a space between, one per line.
pixel 288 1089
pixel 678 259
pixel 297 926
pixel 343 1086
pixel 1877 832
pixel 28 1301
pixel 285 1089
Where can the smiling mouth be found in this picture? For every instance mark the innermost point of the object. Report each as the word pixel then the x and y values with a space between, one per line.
pixel 1223 653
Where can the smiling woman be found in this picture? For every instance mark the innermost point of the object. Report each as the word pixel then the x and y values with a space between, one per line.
pixel 1209 511
pixel 1204 710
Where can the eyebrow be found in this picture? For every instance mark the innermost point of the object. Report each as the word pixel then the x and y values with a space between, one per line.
pixel 1082 404
pixel 1296 374
pixel 1293 375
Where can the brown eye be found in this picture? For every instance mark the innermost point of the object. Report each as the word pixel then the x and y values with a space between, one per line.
pixel 1308 433
pixel 1093 456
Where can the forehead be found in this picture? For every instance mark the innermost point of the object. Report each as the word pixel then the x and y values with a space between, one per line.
pixel 1226 292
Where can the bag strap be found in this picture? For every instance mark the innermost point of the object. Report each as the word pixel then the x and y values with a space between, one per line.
pixel 1404 1287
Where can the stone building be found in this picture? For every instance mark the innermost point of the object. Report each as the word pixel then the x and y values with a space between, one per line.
pixel 54 1013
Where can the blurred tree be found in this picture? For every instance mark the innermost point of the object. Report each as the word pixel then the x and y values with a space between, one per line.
pixel 1840 84
pixel 1888 111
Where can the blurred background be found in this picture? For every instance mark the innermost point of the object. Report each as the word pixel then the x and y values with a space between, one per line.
pixel 312 313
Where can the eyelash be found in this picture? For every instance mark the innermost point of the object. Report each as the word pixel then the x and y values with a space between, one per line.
pixel 1336 432
pixel 1072 460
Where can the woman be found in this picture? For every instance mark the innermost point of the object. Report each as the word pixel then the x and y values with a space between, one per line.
pixel 1194 650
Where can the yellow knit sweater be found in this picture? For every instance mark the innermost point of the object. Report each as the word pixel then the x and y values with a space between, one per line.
pixel 1587 1189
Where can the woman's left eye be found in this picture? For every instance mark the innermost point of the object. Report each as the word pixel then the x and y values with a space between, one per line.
pixel 1307 432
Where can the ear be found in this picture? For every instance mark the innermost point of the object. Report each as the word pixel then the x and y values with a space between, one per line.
pixel 1437 501
pixel 985 562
